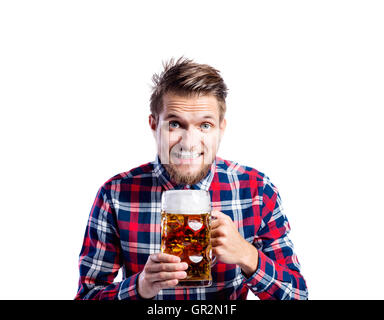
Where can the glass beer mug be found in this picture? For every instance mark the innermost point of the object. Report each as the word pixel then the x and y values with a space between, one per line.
pixel 186 233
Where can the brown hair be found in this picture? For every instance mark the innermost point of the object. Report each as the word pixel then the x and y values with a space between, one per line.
pixel 186 77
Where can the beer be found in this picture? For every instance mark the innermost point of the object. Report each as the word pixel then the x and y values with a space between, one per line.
pixel 188 237
pixel 188 234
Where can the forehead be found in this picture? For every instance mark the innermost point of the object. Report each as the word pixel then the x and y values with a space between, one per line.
pixel 196 105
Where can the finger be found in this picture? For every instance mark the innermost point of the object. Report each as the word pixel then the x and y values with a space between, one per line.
pixel 158 267
pixel 221 222
pixel 219 218
pixel 165 276
pixel 217 252
pixel 164 257
pixel 217 233
pixel 215 224
pixel 217 214
pixel 216 242
pixel 166 284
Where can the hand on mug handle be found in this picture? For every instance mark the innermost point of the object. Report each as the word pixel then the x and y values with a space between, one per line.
pixel 161 271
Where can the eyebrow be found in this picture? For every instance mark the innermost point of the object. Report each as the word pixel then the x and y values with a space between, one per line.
pixel 172 115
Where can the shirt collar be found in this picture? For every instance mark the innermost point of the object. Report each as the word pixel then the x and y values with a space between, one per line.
pixel 164 179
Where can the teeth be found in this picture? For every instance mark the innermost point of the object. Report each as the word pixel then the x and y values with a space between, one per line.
pixel 187 155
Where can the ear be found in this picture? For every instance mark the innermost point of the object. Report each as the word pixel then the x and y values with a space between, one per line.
pixel 223 125
pixel 152 122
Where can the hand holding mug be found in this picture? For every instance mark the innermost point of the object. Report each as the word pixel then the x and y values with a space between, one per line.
pixel 160 272
pixel 229 246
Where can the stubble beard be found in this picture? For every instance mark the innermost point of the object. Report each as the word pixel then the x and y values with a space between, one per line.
pixel 181 178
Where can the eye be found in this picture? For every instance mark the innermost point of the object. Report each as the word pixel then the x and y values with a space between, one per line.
pixel 205 126
pixel 173 124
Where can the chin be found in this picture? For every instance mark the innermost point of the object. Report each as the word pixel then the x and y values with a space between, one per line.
pixel 188 169
pixel 187 174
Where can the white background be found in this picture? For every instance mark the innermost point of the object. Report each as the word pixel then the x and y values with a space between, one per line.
pixel 305 105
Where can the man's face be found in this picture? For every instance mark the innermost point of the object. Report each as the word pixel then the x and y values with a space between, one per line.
pixel 188 135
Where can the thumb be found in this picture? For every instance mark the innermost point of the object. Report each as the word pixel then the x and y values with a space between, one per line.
pixel 217 214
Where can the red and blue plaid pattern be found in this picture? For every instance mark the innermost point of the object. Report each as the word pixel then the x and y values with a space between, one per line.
pixel 124 229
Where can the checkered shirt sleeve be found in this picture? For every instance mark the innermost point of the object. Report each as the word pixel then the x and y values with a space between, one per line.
pixel 100 256
pixel 278 273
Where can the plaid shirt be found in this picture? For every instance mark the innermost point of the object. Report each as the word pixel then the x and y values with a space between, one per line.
pixel 124 229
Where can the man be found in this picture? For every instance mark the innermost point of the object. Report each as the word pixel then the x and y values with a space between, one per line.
pixel 249 232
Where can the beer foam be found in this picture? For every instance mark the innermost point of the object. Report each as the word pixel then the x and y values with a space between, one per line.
pixel 186 201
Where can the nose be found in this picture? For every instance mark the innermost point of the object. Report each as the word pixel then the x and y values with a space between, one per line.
pixel 190 140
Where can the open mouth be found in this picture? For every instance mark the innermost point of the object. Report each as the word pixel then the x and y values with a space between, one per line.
pixel 185 157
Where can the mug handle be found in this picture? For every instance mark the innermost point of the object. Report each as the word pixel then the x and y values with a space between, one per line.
pixel 213 261
pixel 214 258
